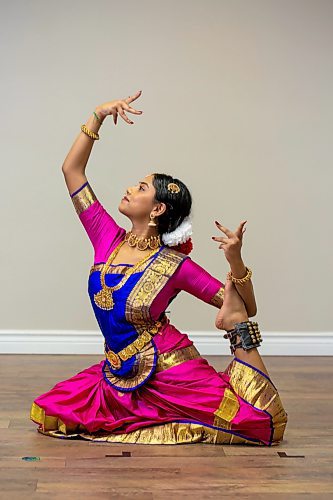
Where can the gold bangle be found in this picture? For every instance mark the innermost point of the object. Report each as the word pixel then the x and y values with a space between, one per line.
pixel 90 133
pixel 240 281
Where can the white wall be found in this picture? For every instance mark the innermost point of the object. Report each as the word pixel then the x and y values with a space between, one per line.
pixel 237 101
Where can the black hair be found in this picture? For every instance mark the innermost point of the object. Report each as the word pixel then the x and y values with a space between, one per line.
pixel 178 204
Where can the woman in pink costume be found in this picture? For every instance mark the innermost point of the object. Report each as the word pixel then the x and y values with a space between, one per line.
pixel 153 386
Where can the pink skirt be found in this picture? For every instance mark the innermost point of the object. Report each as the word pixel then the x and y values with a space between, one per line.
pixel 185 401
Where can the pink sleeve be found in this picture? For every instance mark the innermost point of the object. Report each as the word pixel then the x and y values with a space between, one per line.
pixel 195 280
pixel 102 230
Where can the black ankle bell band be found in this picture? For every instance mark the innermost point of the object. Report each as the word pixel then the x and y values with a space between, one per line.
pixel 249 334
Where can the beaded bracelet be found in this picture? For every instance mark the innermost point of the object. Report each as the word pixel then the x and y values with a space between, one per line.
pixel 240 281
pixel 90 133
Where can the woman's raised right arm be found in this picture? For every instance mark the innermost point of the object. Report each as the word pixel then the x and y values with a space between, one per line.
pixel 76 160
pixel 100 226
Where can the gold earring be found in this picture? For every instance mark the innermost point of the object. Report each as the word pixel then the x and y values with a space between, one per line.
pixel 152 223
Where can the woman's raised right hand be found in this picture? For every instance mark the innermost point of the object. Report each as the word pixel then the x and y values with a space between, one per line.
pixel 119 106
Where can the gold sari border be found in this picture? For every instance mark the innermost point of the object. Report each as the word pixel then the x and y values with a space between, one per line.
pixel 116 269
pixel 146 366
pixel 218 298
pixel 257 389
pixel 49 422
pixel 174 432
pixel 227 409
pixel 174 358
pixel 137 309
pixel 83 198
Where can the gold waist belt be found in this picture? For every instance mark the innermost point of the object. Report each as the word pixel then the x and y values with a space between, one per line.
pixel 115 359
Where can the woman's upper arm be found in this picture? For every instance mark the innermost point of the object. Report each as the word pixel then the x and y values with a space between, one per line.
pixel 195 280
pixel 100 227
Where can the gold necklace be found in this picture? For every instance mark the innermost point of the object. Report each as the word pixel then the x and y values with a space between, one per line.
pixel 104 299
pixel 142 243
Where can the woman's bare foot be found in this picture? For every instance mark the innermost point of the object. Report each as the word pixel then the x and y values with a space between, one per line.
pixel 233 309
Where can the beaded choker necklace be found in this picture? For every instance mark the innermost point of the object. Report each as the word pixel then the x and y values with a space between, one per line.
pixel 152 242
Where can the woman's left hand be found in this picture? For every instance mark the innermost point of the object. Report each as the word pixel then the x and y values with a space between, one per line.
pixel 233 243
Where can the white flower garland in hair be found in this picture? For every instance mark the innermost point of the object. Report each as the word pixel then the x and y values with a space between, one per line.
pixel 180 234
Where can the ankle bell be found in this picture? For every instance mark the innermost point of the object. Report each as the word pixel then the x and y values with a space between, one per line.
pixel 249 334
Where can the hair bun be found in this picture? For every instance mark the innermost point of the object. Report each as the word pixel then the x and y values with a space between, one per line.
pixel 180 238
pixel 180 235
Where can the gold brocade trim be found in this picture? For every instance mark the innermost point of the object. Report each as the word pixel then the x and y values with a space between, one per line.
pixel 227 410
pixel 83 199
pixel 218 298
pixel 167 433
pixel 137 309
pixel 37 414
pixel 144 337
pixel 145 360
pixel 170 359
pixel 134 346
pixel 118 269
pixel 259 391
pixel 143 366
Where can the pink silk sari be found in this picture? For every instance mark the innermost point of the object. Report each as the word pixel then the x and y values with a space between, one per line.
pixel 167 393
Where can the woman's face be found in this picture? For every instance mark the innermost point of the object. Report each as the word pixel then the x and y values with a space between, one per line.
pixel 139 200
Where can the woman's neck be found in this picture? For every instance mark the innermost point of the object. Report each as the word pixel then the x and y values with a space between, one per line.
pixel 144 231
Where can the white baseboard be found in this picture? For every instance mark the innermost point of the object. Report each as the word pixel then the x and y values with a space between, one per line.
pixel 207 343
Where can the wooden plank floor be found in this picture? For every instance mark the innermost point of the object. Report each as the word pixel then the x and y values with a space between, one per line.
pixel 299 467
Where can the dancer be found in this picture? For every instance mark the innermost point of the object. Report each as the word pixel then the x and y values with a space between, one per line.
pixel 153 386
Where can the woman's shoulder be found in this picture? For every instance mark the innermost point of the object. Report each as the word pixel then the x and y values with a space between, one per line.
pixel 173 251
pixel 174 255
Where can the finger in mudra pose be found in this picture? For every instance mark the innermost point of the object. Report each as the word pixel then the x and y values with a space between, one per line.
pixel 152 385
